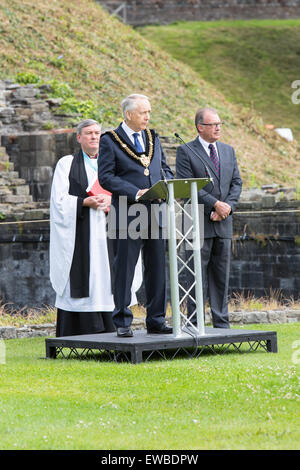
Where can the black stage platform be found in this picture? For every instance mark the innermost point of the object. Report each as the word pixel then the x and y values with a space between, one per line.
pixel 142 346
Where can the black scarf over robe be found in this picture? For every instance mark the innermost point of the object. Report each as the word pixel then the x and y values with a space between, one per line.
pixel 78 323
pixel 80 269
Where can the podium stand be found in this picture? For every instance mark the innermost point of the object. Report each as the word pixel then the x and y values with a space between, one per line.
pixel 172 190
pixel 177 190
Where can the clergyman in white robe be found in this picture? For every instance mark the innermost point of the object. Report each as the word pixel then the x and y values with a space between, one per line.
pixel 99 304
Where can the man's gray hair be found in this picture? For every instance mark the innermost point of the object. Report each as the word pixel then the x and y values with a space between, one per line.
pixel 199 118
pixel 86 123
pixel 129 103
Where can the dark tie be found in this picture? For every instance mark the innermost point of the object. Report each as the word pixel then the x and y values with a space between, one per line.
pixel 214 157
pixel 137 143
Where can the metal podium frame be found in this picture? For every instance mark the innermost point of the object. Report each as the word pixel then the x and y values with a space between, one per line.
pixel 182 189
pixel 171 190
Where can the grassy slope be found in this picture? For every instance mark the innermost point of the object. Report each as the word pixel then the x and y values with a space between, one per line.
pixel 104 60
pixel 252 62
pixel 230 401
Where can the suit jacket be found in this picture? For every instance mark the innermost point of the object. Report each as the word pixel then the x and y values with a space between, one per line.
pixel 123 175
pixel 227 187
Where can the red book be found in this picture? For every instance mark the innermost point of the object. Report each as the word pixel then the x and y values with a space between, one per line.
pixel 95 188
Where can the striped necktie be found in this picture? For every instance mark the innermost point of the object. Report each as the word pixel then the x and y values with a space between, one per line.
pixel 214 158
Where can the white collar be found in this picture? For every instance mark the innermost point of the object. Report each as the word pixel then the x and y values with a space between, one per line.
pixel 129 131
pixel 206 144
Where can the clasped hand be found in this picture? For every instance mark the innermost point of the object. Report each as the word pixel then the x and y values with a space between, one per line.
pixel 99 202
pixel 222 211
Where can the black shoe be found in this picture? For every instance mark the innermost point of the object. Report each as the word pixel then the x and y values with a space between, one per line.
pixel 124 332
pixel 160 330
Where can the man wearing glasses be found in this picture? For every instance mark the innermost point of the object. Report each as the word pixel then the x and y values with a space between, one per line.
pixel 219 200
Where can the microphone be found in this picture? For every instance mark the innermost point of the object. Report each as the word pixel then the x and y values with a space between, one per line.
pixel 163 174
pixel 197 155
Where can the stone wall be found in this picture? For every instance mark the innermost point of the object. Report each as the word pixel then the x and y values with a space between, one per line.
pixel 266 247
pixel 35 155
pixel 26 112
pixel 24 264
pixel 265 256
pixel 142 12
pixel 28 108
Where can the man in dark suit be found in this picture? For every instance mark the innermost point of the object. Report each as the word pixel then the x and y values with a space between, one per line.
pixel 219 201
pixel 131 160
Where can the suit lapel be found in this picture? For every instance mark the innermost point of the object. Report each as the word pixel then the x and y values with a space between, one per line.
pixel 144 138
pixel 124 136
pixel 222 158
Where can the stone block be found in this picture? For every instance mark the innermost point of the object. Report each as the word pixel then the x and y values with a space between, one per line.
pixel 277 316
pixel 293 316
pixel 23 332
pixel 45 158
pixel 17 199
pixel 6 166
pixel 3 154
pixel 7 112
pixel 34 214
pixel 252 279
pixel 287 283
pixel 255 317
pixel 8 332
pixel 42 174
pixel 24 113
pixel 40 191
pixel 24 92
pixel 23 142
pixel 268 201
pixel 34 159
pixel 25 159
pixel 21 190
pixel 236 317
pixel 31 126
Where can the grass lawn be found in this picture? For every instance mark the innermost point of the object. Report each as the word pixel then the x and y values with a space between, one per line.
pixel 254 62
pixel 230 401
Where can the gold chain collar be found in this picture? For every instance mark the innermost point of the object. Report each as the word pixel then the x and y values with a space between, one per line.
pixel 144 159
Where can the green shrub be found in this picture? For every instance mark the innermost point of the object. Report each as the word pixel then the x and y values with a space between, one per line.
pixel 24 78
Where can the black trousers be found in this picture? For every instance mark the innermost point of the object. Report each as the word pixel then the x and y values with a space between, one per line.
pixel 215 263
pixel 126 255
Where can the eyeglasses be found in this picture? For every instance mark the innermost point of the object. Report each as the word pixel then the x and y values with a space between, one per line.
pixel 213 124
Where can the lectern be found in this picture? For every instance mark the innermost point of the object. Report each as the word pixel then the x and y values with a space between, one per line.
pixel 172 191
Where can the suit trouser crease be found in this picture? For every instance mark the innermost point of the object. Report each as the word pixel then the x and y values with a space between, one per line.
pixel 127 253
pixel 215 262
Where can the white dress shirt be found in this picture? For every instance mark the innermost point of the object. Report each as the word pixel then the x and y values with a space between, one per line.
pixel 207 150
pixel 206 144
pixel 130 133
